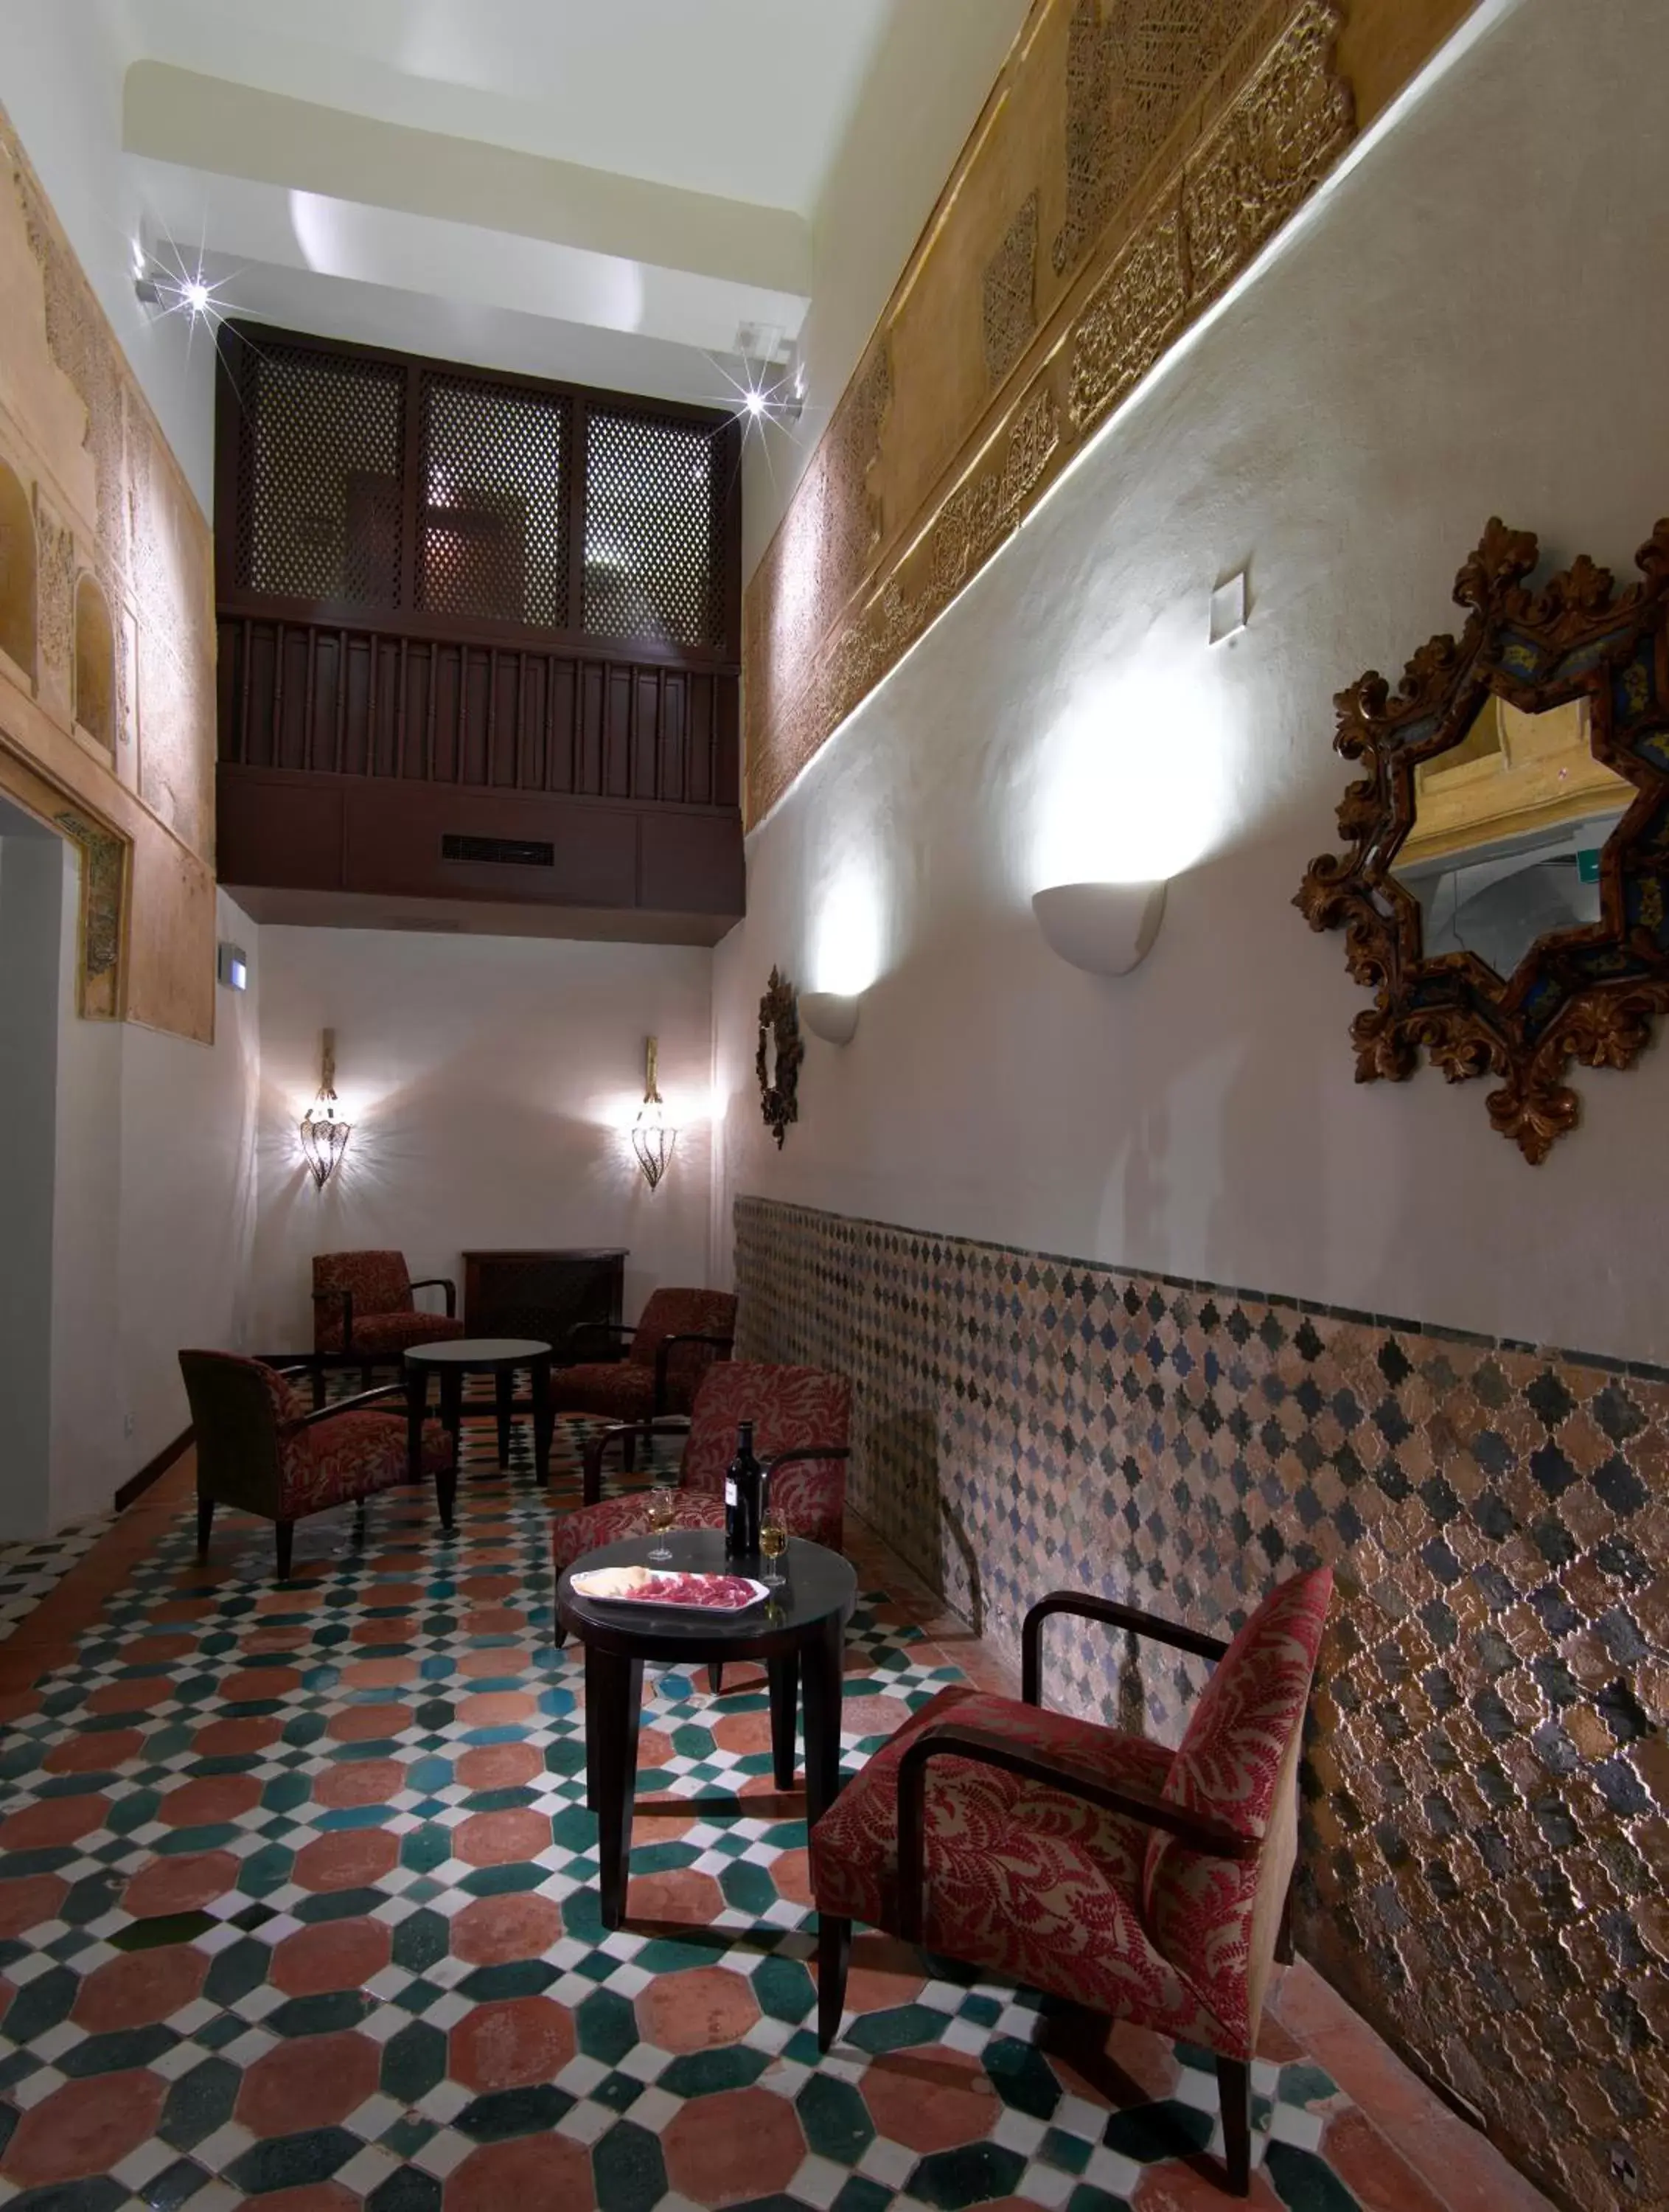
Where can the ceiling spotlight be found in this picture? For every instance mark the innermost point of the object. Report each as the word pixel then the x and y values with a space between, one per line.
pixel 755 404
pixel 195 294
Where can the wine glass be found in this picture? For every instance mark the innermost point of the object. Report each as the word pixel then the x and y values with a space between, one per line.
pixel 773 1543
pixel 660 1506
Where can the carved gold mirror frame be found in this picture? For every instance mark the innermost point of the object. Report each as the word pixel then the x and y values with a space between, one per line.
pixel 1588 993
pixel 777 1062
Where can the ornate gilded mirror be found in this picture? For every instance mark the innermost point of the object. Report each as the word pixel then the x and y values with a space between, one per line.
pixel 778 1061
pixel 1503 894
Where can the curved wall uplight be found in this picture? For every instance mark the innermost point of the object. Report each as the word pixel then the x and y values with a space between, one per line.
pixel 1106 929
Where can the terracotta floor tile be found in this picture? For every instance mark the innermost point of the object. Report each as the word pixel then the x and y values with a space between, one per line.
pixel 538 2173
pixel 1175 2187
pixel 1362 2158
pixel 238 1739
pixel 52 1821
pixel 724 2149
pixel 97 1753
pixel 679 1899
pixel 700 2010
pixel 185 1883
pixel 209 1801
pixel 83 2129
pixel 500 1765
pixel 930 2098
pixel 511 2045
pixel 137 1989
pixel 353 1859
pixel 29 1900
pixel 501 1838
pixel 311 2082
pixel 496 1708
pixel 367 1723
pixel 334 1954
pixel 347 1782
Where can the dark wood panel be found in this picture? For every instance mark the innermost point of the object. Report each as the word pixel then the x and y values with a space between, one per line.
pixel 359 701
pixel 293 830
pixel 542 1295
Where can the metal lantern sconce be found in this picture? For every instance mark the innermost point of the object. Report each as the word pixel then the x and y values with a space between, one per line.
pixel 323 1133
pixel 652 1136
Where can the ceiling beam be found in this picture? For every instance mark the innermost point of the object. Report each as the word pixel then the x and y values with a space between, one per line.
pixel 230 130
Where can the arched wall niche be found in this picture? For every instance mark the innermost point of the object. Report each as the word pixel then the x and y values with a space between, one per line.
pixel 17 573
pixel 95 663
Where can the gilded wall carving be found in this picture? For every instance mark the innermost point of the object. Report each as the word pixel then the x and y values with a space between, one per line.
pixel 1011 293
pixel 1183 133
pixel 111 511
pixel 1486 1791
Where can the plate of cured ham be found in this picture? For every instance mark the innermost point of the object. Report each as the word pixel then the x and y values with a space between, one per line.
pixel 671 1591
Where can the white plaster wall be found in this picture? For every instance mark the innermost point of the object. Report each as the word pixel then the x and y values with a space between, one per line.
pixel 490 1082
pixel 1462 327
pixel 930 75
pixel 153 1226
pixel 31 871
pixel 61 64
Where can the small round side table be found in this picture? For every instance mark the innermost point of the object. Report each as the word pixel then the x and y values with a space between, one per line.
pixel 500 1357
pixel 800 1636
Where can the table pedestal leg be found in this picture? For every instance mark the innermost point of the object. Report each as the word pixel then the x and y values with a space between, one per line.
pixel 543 1419
pixel 416 1385
pixel 614 1694
pixel 504 1393
pixel 784 1676
pixel 451 1404
pixel 820 1663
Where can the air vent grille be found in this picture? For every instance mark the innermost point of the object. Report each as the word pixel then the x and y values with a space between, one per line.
pixel 318 476
pixel 500 852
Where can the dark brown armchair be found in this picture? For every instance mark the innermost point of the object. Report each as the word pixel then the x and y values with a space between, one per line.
pixel 656 1365
pixel 363 1306
pixel 261 1449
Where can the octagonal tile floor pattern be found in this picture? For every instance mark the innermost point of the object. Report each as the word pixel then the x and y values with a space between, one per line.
pixel 297 1907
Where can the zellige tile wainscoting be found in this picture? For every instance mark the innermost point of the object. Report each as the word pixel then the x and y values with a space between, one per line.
pixel 1486 1857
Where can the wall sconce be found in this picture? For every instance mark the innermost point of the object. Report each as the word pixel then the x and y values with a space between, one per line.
pixel 652 1136
pixel 831 1015
pixel 1106 929
pixel 324 1135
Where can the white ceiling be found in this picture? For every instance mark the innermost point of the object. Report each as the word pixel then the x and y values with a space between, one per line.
pixel 745 99
pixel 610 191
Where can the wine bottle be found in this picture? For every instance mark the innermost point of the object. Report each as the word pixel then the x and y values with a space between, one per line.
pixel 744 1483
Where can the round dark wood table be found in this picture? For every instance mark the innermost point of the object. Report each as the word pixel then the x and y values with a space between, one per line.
pixel 800 1634
pixel 500 1357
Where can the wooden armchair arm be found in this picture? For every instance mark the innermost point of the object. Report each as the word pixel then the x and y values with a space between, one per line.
pixel 1132 1617
pixel 599 1328
pixel 440 1283
pixel 954 1739
pixel 353 1405
pixel 664 1353
pixel 591 1477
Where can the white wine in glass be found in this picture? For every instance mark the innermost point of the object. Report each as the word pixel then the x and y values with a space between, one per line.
pixel 773 1543
pixel 660 1509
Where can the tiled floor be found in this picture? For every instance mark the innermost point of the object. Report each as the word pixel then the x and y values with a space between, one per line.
pixel 296 1906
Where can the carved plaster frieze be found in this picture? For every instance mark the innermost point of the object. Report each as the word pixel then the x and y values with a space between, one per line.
pixel 817 643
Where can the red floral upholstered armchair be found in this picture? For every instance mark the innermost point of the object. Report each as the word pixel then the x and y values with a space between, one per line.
pixel 363 1304
pixel 801 1419
pixel 678 1336
pixel 260 1448
pixel 1151 1884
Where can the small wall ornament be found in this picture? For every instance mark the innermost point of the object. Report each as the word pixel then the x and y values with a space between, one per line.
pixel 1505 894
pixel 778 1060
pixel 325 1134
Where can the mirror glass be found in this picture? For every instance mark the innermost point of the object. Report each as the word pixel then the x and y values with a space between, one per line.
pixel 1509 828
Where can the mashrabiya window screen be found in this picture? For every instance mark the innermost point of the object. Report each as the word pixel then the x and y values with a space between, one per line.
pixel 494 490
pixel 319 489
pixel 653 529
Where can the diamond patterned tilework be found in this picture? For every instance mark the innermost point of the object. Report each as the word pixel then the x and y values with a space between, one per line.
pixel 1486 1857
pixel 29 1570
pixel 309 1916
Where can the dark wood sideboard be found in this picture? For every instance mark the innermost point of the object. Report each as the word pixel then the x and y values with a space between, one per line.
pixel 542 1294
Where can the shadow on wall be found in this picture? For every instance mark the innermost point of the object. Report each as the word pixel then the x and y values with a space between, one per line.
pixel 415 1170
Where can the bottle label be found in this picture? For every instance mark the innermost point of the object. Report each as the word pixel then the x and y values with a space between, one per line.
pixel 729 1493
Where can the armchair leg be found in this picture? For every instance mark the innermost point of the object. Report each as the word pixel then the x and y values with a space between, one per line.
pixel 366 1375
pixel 1235 2094
pixel 716 1678
pixel 359 1522
pixel 286 1534
pixel 834 1956
pixel 205 1522
pixel 446 1496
